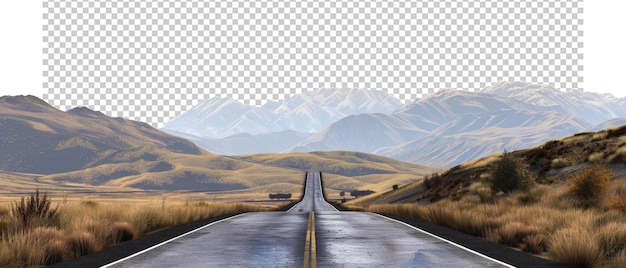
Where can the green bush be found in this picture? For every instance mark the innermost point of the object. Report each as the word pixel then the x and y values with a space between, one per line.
pixel 509 174
pixel 589 187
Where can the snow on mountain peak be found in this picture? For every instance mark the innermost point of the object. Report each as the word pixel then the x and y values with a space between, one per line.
pixel 593 107
pixel 308 112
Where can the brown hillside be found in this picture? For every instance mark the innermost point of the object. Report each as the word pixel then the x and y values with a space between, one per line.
pixel 37 138
pixel 552 163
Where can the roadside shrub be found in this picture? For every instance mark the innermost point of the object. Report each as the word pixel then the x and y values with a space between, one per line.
pixel 612 239
pixel 534 243
pixel 149 220
pixel 53 252
pixel 37 207
pixel 81 244
pixel 121 232
pixel 509 174
pixel 514 233
pixel 589 187
pixel 575 247
pixel 50 242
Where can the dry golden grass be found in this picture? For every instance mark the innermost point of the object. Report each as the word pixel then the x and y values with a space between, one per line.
pixel 560 163
pixel 596 158
pixel 86 227
pixel 553 226
pixel 575 246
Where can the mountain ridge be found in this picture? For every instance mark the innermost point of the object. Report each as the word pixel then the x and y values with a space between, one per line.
pixel 308 112
pixel 451 117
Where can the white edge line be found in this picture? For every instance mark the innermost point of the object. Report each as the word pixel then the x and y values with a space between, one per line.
pixel 170 240
pixel 448 241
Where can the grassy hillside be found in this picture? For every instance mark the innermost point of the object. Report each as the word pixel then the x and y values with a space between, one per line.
pixel 81 148
pixel 37 138
pixel 564 200
pixel 345 171
pixel 552 162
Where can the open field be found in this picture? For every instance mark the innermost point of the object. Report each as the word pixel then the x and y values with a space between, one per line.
pixel 78 228
pixel 15 185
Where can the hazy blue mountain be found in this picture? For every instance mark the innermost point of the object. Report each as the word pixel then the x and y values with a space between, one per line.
pixel 476 135
pixel 308 112
pixel 244 143
pixel 447 128
pixel 616 122
pixel 362 133
pixel 443 129
pixel 593 107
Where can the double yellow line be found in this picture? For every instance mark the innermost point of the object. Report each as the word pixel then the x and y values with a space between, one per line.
pixel 310 256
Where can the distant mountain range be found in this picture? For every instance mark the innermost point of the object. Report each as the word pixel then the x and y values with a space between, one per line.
pixel 80 148
pixel 305 113
pixel 441 130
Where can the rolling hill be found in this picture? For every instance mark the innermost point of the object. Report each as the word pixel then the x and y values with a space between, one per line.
pixel 82 148
pixel 89 148
pixel 346 171
pixel 552 162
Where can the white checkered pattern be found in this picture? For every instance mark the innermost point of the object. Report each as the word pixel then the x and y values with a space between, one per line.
pixel 151 61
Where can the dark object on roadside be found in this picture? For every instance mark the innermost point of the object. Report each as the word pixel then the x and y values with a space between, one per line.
pixel 358 193
pixel 395 187
pixel 280 196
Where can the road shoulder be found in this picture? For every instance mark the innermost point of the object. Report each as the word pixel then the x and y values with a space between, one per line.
pixel 497 251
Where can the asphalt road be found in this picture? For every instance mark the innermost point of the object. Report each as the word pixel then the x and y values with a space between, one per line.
pixel 311 234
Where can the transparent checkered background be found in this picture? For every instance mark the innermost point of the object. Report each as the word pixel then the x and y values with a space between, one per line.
pixel 151 61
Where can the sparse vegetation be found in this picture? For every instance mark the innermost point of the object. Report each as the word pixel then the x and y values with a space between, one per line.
pixel 79 228
pixel 574 215
pixel 509 174
pixel 560 163
pixel 596 158
pixel 35 208
pixel 552 226
pixel 590 186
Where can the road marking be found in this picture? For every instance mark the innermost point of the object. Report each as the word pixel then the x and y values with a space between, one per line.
pixel 163 243
pixel 310 256
pixel 447 241
pixel 313 243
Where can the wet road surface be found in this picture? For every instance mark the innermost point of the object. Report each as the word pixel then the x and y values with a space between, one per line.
pixel 311 234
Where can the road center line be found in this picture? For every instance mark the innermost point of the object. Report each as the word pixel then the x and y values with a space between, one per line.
pixel 313 243
pixel 310 258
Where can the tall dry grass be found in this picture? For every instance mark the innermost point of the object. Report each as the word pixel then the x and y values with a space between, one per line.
pixel 82 228
pixel 552 225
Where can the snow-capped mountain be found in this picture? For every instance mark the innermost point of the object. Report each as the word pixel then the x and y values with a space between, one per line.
pixel 447 128
pixel 441 130
pixel 593 107
pixel 475 135
pixel 308 112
